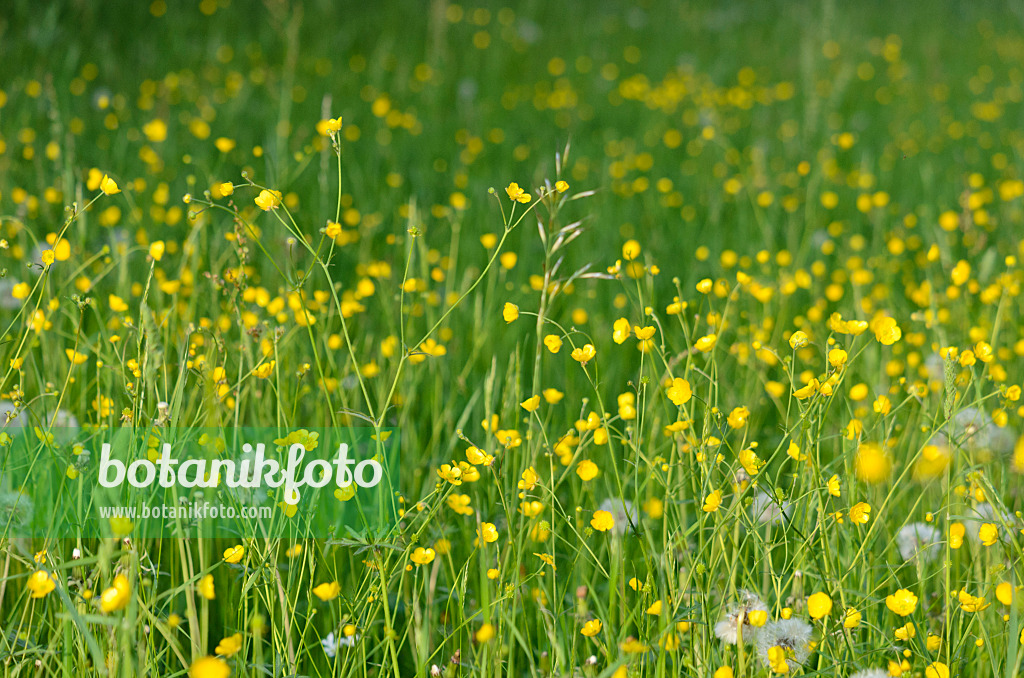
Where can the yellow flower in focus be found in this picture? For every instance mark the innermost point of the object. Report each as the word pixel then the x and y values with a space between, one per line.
pixel 819 605
pixel 517 194
pixel 553 343
pixel 109 186
pixel 561 186
pixel 969 603
pixel 798 339
pixel 117 596
pixel 510 312
pixel 738 417
pixel 229 646
pixel 591 628
pixel 679 392
pixel 860 513
pixel 602 521
pixel 327 591
pixel 47 257
pixel 488 533
pixel 852 618
pixel 40 583
pixel 936 670
pixel 712 502
pixel 422 556
pixel 903 602
pixel 226 188
pixel 587 470
pixel 268 200
pixel 620 330
pixel 531 403
pixel 584 354
pixel 209 667
pixel 833 486
pixel 757 618
pixel 234 554
pixel 334 124
pixel 837 358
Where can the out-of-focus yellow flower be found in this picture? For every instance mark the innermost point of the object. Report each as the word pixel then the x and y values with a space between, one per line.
pixel 488 533
pixel 819 605
pixel 206 588
pixel 873 464
pixel 117 596
pixel 40 583
pixel 209 667
pixel 229 646
pixel 591 628
pixel 553 342
pixel 156 250
pixel 327 591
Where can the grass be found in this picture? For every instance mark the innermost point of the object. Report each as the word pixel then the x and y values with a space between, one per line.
pixel 732 456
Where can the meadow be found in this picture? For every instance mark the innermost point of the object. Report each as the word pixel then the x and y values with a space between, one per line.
pixel 696 323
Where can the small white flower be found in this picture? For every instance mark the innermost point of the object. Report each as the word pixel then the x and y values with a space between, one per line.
pixel 330 645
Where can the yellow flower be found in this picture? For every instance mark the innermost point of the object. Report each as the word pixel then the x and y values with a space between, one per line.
pixel 587 470
pixel 798 339
pixel 655 608
pixel 903 602
pixel 602 521
pixel 872 463
pixel 738 417
pixel 906 632
pixel 530 478
pixel 989 534
pixel 969 603
pixel 229 646
pixel 757 618
pixel 510 312
pixel 531 403
pixel 205 587
pixel 591 628
pixel 109 186
pixel 1004 593
pixel 422 556
pixel 837 358
pixel 794 452
pixel 21 290
pixel 705 344
pixel 552 396
pixel 517 194
pixel 956 535
pixel 209 667
pixel 936 670
pixel 553 343
pixel 620 330
pixel 724 672
pixel 268 200
pixel 561 186
pixel 477 456
pixel 860 513
pixel 334 124
pixel 47 257
pixel 327 591
pixel 852 618
pixel 75 357
pixel 679 392
pixel 486 632
pixel 41 583
pixel 886 331
pixel 234 554
pixel 264 370
pixel 226 188
pixel 777 659
pixel 117 596
pixel 488 533
pixel 712 501
pixel 156 250
pixel 584 354
pixel 833 486
pixel 819 605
